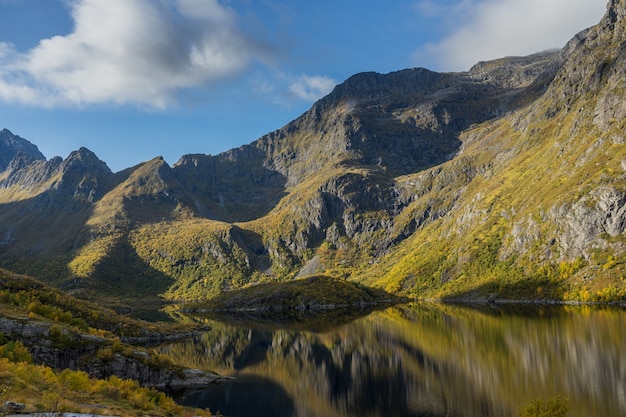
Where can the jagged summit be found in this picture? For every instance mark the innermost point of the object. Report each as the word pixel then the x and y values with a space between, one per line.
pixel 11 145
pixel 87 162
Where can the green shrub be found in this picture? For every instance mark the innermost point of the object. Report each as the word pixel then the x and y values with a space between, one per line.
pixel 15 352
pixel 552 407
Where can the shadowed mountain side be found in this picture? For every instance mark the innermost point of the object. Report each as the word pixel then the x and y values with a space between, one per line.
pixel 41 223
pixel 41 241
pixel 232 187
pixel 122 275
pixel 527 291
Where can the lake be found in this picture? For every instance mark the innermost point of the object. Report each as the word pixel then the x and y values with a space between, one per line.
pixel 413 360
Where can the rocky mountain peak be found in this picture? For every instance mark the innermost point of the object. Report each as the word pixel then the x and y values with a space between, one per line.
pixel 372 85
pixel 86 159
pixel 83 174
pixel 11 145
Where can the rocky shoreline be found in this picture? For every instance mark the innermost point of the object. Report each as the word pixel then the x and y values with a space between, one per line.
pixel 60 348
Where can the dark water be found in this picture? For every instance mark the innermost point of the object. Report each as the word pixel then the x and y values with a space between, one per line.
pixel 415 360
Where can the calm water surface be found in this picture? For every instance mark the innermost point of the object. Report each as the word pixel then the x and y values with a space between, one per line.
pixel 414 360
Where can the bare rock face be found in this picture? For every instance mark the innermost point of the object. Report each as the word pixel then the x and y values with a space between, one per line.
pixel 12 407
pixel 12 145
pixel 584 225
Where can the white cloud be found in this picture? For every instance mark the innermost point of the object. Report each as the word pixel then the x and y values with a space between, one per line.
pixel 489 29
pixel 129 52
pixel 311 88
pixel 289 89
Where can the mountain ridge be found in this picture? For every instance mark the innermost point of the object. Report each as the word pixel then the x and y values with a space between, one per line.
pixel 12 145
pixel 511 171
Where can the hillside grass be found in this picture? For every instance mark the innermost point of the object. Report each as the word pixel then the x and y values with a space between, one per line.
pixel 311 293
pixel 201 257
pixel 466 254
pixel 42 389
pixel 26 297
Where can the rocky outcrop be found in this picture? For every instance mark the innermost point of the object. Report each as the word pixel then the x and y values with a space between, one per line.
pixel 60 348
pixel 584 225
pixel 137 369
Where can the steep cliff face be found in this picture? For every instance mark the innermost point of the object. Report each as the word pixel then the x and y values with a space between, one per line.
pixel 515 166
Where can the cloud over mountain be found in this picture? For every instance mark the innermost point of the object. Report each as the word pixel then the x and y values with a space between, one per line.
pixel 129 52
pixel 488 29
pixel 311 88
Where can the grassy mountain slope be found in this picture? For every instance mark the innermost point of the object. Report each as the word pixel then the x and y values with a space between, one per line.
pixel 503 181
pixel 542 213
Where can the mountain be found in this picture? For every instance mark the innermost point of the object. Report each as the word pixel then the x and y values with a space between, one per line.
pixel 503 181
pixel 12 145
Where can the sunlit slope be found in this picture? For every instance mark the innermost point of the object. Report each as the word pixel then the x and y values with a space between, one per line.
pixel 539 201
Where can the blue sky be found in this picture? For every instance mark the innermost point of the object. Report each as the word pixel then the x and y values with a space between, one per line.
pixel 135 79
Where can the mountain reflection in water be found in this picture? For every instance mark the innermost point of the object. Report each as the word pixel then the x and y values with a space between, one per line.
pixel 415 360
